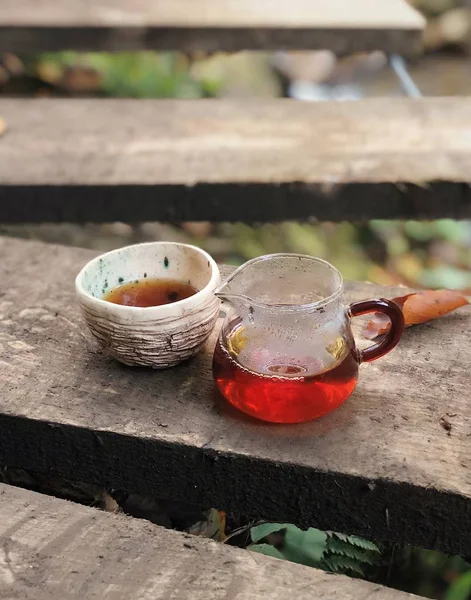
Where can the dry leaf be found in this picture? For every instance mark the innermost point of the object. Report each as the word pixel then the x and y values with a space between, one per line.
pixel 13 64
pixel 417 308
pixel 212 527
pixel 3 126
pixel 4 76
pixel 49 72
pixel 80 80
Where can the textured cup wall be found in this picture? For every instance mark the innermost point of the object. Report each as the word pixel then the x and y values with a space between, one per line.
pixel 176 340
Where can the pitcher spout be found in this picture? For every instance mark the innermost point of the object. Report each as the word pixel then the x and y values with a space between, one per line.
pixel 227 293
pixel 237 290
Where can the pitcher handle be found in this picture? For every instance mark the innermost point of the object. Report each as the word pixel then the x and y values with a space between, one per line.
pixel 390 340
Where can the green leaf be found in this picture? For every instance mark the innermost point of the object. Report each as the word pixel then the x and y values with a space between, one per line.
pixel 337 546
pixel 460 589
pixel 266 549
pixel 259 532
pixel 304 547
pixel 355 541
pixel 342 564
pixel 340 536
pixel 452 231
pixel 419 231
pixel 304 238
pixel 362 543
pixel 445 276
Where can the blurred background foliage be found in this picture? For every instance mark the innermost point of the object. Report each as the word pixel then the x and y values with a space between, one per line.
pixel 418 254
pixel 415 254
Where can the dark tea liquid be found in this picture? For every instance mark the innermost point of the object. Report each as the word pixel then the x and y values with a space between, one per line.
pixel 291 395
pixel 150 292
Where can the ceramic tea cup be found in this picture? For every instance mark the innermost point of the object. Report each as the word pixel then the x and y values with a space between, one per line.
pixel 154 336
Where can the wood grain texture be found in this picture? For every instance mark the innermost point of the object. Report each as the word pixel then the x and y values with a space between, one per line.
pixel 223 160
pixel 52 548
pixel 381 466
pixel 26 26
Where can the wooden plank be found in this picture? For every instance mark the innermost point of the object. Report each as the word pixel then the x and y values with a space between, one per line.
pixel 65 550
pixel 224 160
pixel 231 25
pixel 382 466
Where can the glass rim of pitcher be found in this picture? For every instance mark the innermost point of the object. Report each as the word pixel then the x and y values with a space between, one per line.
pixel 310 305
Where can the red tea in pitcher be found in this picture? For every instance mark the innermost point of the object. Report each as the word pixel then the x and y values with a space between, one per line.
pixel 286 351
pixel 282 391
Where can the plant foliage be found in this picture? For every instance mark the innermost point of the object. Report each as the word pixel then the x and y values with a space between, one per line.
pixel 460 589
pixel 325 550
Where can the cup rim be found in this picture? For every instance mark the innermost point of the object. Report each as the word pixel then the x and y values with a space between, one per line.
pixel 186 302
pixel 290 307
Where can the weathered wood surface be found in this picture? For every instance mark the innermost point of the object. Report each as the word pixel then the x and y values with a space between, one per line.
pixel 136 160
pixel 26 26
pixel 381 466
pixel 52 548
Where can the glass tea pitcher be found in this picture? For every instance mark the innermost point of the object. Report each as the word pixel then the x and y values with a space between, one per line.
pixel 286 353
